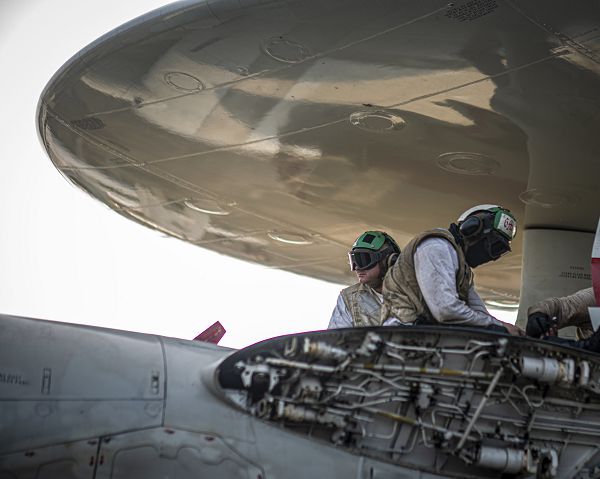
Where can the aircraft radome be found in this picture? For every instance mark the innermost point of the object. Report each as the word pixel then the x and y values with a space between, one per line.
pixel 274 131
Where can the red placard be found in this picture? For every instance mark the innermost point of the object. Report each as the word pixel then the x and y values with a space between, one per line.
pixel 212 334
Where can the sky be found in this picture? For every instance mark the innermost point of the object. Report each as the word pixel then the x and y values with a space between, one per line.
pixel 64 256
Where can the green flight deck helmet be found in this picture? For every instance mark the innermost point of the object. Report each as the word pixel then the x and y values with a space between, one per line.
pixel 370 248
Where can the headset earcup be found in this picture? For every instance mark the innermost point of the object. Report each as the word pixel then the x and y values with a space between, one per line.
pixel 470 227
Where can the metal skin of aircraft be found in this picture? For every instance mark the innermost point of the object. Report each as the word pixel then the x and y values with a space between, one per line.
pixel 275 132
pixel 404 402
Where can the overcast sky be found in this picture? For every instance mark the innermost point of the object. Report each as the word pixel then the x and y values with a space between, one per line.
pixel 64 256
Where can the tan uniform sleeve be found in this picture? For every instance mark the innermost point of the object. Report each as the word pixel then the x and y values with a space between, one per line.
pixel 569 310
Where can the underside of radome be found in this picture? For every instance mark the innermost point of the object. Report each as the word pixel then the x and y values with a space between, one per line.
pixel 276 131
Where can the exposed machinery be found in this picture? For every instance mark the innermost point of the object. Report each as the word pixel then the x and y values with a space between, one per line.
pixel 455 401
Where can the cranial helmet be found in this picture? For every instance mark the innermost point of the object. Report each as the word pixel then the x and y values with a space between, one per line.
pixel 370 248
pixel 486 232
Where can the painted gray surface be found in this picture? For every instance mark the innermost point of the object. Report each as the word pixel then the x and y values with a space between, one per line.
pixel 62 383
pixel 102 416
pixel 365 422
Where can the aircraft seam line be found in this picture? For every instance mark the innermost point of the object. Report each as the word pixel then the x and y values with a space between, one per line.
pixel 97 459
pixel 559 228
pixel 195 155
pixel 280 69
pixel 150 169
pixel 60 399
pixel 63 443
pixel 164 398
pixel 565 39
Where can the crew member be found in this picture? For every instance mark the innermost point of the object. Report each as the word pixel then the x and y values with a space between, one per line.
pixel 546 317
pixel 432 281
pixel 360 304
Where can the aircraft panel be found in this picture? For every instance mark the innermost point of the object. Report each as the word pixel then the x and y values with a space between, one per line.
pixel 73 460
pixel 191 405
pixel 426 402
pixel 165 452
pixel 76 372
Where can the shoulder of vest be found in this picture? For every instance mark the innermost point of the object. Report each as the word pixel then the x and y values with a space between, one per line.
pixel 358 287
pixel 434 233
pixel 352 288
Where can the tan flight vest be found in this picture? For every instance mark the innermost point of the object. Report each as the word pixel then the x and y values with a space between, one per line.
pixel 402 296
pixel 363 305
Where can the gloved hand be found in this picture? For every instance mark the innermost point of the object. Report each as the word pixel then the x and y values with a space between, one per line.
pixel 539 324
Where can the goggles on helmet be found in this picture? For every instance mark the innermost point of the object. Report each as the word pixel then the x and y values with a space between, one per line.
pixel 363 259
